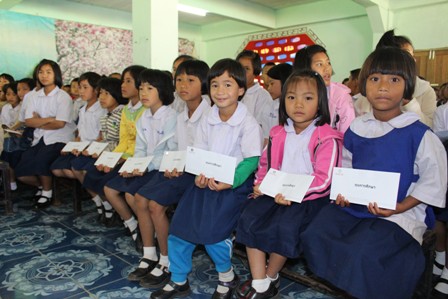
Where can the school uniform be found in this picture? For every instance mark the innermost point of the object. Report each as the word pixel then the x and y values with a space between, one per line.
pixel 380 257
pixel 168 191
pixel 12 145
pixel 208 217
pixel 47 144
pixel 110 132
pixel 155 134
pixel 77 105
pixel 255 99
pixel 94 179
pixel 88 130
pixel 271 227
pixel 270 117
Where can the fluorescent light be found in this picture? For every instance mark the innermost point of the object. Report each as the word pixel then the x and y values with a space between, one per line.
pixel 192 10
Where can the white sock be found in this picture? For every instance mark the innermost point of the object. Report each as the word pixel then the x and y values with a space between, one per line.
pixel 39 191
pixel 442 286
pixel 150 253
pixel 48 194
pixel 163 260
pixel 99 203
pixel 108 209
pixel 132 224
pixel 225 277
pixel 272 278
pixel 167 287
pixel 261 285
pixel 13 186
pixel 440 258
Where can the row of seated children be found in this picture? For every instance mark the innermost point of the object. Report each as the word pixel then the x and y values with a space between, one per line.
pixel 228 128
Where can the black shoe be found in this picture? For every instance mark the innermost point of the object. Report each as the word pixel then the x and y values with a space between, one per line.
pixel 113 221
pixel 42 205
pixel 271 292
pixel 245 287
pixel 179 291
pixel 139 273
pixel 231 285
pixel 151 281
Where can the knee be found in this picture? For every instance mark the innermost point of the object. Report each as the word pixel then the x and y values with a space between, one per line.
pixel 155 208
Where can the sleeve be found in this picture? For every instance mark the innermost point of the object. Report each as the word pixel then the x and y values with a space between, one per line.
pixel 345 111
pixel 65 108
pixel 124 138
pixel 29 108
pixel 3 116
pixel 431 166
pixel 428 104
pixel 262 167
pixel 252 140
pixel 244 169
pixel 327 156
pixel 264 98
pixel 414 106
pixel 165 145
pixel 439 119
pixel 200 140
pixel 140 141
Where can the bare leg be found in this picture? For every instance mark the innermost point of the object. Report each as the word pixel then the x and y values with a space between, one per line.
pixel 117 201
pixel 131 202
pixel 161 224
pixel 58 172
pixel 68 173
pixel 31 180
pixel 144 221
pixel 46 182
pixel 12 175
pixel 257 263
pixel 79 174
pixel 276 263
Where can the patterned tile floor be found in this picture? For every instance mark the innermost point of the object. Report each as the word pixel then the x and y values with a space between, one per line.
pixel 52 254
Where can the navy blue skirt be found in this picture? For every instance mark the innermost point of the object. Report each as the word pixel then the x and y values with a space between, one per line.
pixel 63 162
pixel 38 159
pixel 82 162
pixel 13 158
pixel 132 185
pixel 367 257
pixel 167 191
pixel 271 227
pixel 204 216
pixel 96 180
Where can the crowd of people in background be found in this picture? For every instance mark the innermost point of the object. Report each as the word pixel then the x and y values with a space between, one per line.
pixel 290 117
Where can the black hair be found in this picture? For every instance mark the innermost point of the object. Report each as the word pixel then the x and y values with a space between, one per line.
pixel 12 86
pixel 160 80
pixel 183 57
pixel 7 77
pixel 30 82
pixel 74 80
pixel 233 68
pixel 355 73
pixel 197 68
pixel 268 64
pixel 134 71
pixel 113 87
pixel 305 55
pixel 390 61
pixel 91 77
pixel 280 72
pixel 254 57
pixel 56 70
pixel 306 75
pixel 389 39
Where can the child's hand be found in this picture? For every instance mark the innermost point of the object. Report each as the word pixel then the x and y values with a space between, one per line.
pixel 280 199
pixel 64 153
pixel 95 156
pixel 257 191
pixel 75 152
pixel 172 174
pixel 201 181
pixel 36 115
pixel 375 210
pixel 217 186
pixel 341 201
pixel 100 167
pixel 136 172
pixel 107 169
pixel 85 153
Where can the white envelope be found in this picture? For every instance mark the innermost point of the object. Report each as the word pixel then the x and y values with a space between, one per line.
pixel 108 159
pixel 292 186
pixel 210 164
pixel 366 186
pixel 173 159
pixel 75 145
pixel 97 147
pixel 136 163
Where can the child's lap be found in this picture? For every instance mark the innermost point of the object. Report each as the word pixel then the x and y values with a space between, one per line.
pixel 95 180
pixel 130 185
pixel 38 159
pixel 82 162
pixel 63 162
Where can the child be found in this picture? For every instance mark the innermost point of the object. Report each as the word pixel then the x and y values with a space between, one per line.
pixel 264 73
pixel 277 76
pixel 49 111
pixel 208 211
pixel 256 97
pixel 88 123
pixel 339 100
pixel 155 129
pixel 423 101
pixel 301 144
pixel 178 104
pixel 368 251
pixel 97 176
pixel 4 79
pixel 9 118
pixel 153 198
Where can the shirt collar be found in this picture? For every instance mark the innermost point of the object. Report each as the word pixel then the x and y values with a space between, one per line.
pixel 289 127
pixel 237 118
pixel 135 107
pixel 400 121
pixel 203 106
pixel 41 92
pixel 253 88
pixel 160 113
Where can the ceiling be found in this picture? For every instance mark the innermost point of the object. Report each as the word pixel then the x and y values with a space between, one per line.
pixel 212 17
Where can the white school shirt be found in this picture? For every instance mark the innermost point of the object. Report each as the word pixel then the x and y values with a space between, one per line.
pixel 25 102
pixel 89 124
pixel 155 135
pixel 186 127
pixel 296 155
pixel 9 115
pixel 440 118
pixel 77 105
pixel 179 105
pixel 56 104
pixel 270 117
pixel 430 165
pixel 255 98
pixel 239 137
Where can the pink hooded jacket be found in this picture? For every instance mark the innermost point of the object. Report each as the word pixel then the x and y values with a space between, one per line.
pixel 325 148
pixel 341 107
